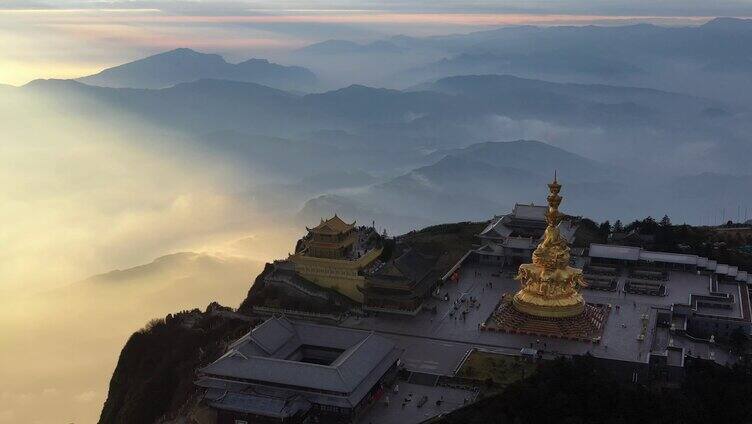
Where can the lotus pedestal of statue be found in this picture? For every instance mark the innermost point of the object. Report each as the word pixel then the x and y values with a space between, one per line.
pixel 587 326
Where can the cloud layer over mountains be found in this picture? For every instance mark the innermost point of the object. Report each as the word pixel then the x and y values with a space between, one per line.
pixel 645 137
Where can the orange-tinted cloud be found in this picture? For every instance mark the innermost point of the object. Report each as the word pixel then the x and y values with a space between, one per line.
pixel 339 17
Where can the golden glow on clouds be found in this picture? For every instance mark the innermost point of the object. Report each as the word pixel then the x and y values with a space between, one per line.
pixel 89 197
pixel 15 72
pixel 80 197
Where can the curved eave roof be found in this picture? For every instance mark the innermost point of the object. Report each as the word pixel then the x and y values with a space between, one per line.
pixel 364 352
pixel 333 225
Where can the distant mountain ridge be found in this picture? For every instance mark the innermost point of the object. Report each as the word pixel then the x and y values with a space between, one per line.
pixel 728 23
pixel 447 100
pixel 181 263
pixel 180 276
pixel 481 180
pixel 570 103
pixel 536 157
pixel 484 179
pixel 332 47
pixel 710 60
pixel 186 65
pixel 490 85
pixel 501 172
pixel 448 113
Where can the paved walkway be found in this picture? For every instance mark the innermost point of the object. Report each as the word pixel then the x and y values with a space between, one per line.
pixel 436 343
pixel 619 341
pixel 395 413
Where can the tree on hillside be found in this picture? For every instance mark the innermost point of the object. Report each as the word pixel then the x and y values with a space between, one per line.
pixel 648 226
pixel 665 221
pixel 665 237
pixel 634 225
pixel 605 229
pixel 618 227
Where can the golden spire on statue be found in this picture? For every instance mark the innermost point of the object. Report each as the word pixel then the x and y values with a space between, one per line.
pixel 550 287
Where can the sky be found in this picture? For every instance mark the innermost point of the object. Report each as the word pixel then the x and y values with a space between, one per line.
pixel 69 38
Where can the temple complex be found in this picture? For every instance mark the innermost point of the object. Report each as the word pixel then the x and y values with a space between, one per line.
pixel 404 353
pixel 509 240
pixel 334 254
pixel 401 285
pixel 284 371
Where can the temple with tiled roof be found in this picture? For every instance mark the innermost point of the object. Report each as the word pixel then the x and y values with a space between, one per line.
pixel 402 284
pixel 333 239
pixel 511 239
pixel 286 371
pixel 334 254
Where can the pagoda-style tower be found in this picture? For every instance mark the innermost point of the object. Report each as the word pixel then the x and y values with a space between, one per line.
pixel 330 257
pixel 550 287
pixel 333 239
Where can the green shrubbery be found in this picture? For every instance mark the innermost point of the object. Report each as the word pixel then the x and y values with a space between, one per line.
pixel 156 368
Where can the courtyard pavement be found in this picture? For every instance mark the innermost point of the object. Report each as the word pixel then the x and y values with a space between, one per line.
pixel 395 413
pixel 437 342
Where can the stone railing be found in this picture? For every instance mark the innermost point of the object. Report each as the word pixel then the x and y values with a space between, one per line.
pixel 265 310
pixel 297 286
pixel 410 312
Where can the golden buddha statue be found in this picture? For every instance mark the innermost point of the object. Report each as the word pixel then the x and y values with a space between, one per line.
pixel 550 287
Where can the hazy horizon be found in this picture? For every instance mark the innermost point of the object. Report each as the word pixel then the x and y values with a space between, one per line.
pixel 97 35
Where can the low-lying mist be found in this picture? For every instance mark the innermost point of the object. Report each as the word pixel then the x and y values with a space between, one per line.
pixel 80 198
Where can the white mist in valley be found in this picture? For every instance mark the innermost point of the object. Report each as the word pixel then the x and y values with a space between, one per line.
pixel 80 198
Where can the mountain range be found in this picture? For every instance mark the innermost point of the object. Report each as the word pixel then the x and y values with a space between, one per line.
pixel 180 276
pixel 349 47
pixel 620 55
pixel 451 112
pixel 485 179
pixel 708 60
pixel 426 148
pixel 186 65
pixel 482 180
